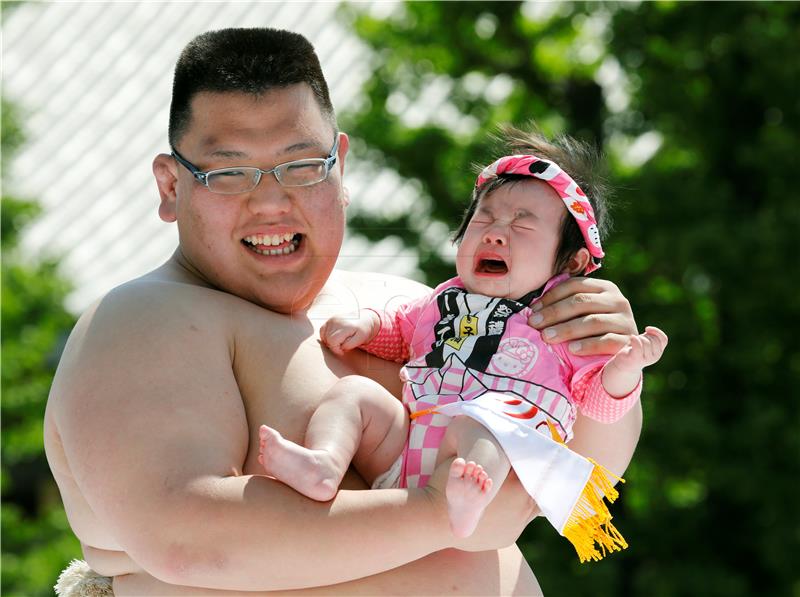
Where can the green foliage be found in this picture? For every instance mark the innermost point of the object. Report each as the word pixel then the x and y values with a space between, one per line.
pixel 11 131
pixel 482 57
pixel 7 6
pixel 705 233
pixel 37 541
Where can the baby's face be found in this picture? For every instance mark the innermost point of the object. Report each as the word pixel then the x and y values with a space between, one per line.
pixel 510 244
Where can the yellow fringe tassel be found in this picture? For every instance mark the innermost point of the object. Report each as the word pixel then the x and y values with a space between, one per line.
pixel 589 523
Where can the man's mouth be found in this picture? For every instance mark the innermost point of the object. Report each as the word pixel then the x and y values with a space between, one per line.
pixel 273 245
pixel 491 266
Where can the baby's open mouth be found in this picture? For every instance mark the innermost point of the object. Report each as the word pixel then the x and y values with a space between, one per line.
pixel 273 245
pixel 491 266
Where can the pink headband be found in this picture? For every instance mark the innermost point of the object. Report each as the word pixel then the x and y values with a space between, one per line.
pixel 569 191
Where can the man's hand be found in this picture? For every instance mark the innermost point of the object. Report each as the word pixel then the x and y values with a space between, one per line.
pixel 592 314
pixel 342 334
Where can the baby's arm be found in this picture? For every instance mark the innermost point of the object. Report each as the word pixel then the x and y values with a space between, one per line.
pixel 385 334
pixel 341 334
pixel 622 372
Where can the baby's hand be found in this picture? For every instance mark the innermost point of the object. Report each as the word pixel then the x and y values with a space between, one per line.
pixel 341 334
pixel 642 350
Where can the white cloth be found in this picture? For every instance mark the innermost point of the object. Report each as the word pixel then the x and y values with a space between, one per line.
pixel 391 478
pixel 551 473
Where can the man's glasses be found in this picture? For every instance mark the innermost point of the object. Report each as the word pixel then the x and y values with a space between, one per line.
pixel 231 181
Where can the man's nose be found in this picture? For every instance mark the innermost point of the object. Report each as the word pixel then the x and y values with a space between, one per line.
pixel 497 234
pixel 269 197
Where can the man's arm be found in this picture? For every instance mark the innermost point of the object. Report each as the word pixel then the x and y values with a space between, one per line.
pixel 594 315
pixel 155 431
pixel 449 572
pixel 610 444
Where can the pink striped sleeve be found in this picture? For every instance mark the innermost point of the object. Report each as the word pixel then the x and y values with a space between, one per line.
pixel 388 343
pixel 595 402
pixel 398 336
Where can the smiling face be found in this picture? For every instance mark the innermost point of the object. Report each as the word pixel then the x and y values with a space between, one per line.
pixel 274 245
pixel 509 246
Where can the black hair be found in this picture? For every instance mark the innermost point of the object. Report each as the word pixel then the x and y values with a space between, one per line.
pixel 583 162
pixel 247 60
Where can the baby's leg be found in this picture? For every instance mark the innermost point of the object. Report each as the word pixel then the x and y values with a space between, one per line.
pixel 358 420
pixel 475 476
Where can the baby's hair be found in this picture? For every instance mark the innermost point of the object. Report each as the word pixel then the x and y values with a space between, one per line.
pixel 582 161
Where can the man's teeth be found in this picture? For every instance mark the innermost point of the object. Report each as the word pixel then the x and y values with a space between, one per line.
pixel 283 251
pixel 273 240
pixel 276 239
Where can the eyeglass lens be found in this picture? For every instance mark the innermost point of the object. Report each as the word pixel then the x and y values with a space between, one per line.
pixel 233 181
pixel 293 174
pixel 302 173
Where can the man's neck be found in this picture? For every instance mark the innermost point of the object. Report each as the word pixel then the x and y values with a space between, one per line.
pixel 178 267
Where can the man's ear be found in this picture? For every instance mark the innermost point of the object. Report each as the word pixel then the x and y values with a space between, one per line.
pixel 344 146
pixel 578 262
pixel 166 173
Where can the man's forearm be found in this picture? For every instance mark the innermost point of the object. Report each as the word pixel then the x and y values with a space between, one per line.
pixel 610 444
pixel 257 534
pixel 448 572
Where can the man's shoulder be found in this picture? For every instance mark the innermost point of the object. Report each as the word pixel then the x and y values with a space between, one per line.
pixel 164 297
pixel 153 309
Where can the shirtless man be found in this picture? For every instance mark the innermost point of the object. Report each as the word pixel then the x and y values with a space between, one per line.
pixel 151 428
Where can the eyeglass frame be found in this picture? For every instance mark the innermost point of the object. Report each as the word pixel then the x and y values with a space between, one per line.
pixel 202 177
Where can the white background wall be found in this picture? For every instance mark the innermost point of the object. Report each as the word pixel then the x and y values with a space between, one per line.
pixel 93 81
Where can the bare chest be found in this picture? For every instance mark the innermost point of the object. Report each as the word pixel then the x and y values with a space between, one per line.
pixel 283 373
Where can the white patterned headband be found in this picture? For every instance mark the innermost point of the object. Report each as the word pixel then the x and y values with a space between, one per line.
pixel 574 198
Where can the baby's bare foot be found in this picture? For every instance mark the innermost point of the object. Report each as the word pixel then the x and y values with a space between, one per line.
pixel 310 472
pixel 468 493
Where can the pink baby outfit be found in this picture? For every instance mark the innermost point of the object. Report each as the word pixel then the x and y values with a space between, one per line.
pixel 467 353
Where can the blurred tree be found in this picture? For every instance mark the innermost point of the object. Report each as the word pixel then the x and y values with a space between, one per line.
pixel 718 84
pixel 444 75
pixel 37 541
pixel 696 106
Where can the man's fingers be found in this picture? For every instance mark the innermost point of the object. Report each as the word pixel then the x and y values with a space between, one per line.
pixel 570 307
pixel 579 297
pixel 587 326
pixel 577 285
